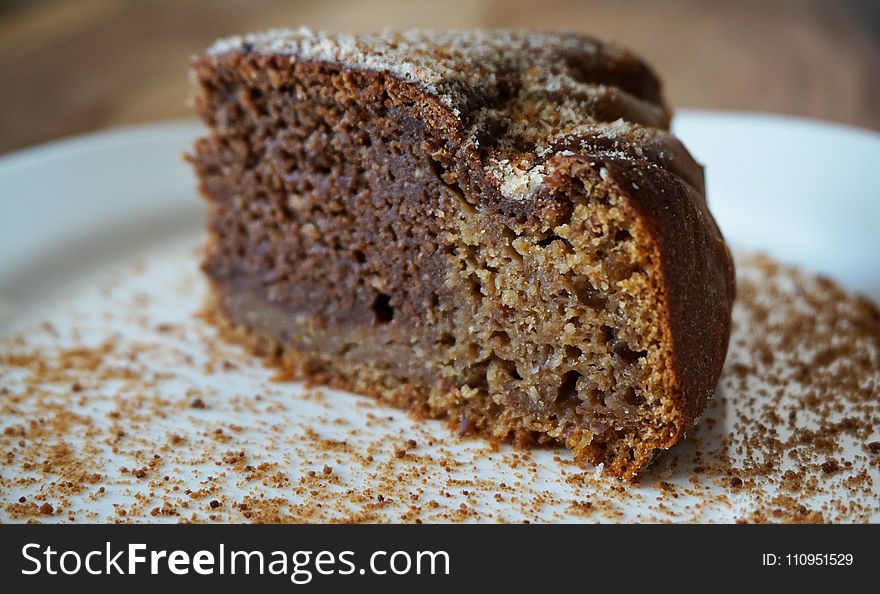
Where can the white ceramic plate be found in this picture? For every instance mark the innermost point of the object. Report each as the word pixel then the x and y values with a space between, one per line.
pixel 98 236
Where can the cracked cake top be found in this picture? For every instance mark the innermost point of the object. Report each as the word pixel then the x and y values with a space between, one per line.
pixel 520 98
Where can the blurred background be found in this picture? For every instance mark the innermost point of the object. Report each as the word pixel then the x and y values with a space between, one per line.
pixel 70 66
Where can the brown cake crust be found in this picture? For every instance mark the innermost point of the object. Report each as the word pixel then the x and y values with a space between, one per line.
pixel 514 127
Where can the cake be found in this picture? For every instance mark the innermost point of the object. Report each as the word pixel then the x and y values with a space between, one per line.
pixel 491 227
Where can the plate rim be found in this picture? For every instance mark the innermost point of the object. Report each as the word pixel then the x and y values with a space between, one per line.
pixel 123 134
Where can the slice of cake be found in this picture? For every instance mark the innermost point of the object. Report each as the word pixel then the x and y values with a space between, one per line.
pixel 491 227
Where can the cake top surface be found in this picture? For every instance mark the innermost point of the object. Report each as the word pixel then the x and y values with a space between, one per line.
pixel 521 97
pixel 440 61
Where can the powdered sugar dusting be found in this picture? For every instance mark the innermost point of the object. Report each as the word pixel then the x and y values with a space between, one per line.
pixel 523 98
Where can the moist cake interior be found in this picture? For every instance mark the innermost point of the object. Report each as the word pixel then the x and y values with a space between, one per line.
pixel 350 242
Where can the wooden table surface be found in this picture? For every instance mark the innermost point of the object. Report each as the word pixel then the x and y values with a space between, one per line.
pixel 69 66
